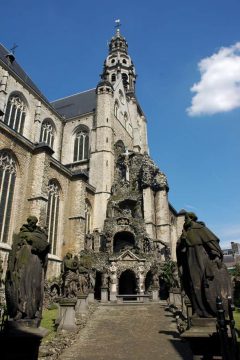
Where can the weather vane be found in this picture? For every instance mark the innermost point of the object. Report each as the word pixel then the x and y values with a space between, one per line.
pixel 118 24
pixel 14 48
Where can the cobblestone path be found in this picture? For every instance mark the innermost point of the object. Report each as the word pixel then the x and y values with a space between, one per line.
pixel 129 332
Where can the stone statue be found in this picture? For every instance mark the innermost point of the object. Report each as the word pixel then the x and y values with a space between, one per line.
pixel 105 277
pixel 88 242
pixel 27 264
pixel 84 280
pixel 92 280
pixel 70 275
pixel 200 261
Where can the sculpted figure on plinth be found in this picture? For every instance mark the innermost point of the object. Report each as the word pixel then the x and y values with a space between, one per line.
pixel 70 275
pixel 204 276
pixel 27 264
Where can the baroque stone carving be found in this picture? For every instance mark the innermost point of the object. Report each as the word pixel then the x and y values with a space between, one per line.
pixel 70 276
pixel 25 273
pixel 204 276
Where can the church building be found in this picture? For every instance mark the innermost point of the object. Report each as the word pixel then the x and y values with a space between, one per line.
pixel 81 165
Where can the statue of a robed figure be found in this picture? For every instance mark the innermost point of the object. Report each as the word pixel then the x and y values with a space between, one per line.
pixel 26 270
pixel 204 276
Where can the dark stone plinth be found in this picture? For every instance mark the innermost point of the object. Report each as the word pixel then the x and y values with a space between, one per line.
pixel 19 341
pixel 67 315
pixel 203 339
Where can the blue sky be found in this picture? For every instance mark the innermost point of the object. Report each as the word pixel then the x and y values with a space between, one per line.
pixel 174 45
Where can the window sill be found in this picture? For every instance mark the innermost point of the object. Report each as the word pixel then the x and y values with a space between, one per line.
pixel 5 246
pixel 54 257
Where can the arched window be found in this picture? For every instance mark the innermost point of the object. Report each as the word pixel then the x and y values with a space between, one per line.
pixel 15 113
pixel 47 135
pixel 116 109
pixel 53 214
pixel 7 184
pixel 81 145
pixel 88 217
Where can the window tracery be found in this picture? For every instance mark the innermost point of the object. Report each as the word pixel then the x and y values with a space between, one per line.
pixel 53 214
pixel 15 113
pixel 47 133
pixel 81 146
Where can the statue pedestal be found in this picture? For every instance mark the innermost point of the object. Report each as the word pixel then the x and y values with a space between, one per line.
pixel 203 339
pixel 113 296
pixel 90 298
pixel 81 306
pixel 155 294
pixel 19 341
pixel 67 315
pixel 104 294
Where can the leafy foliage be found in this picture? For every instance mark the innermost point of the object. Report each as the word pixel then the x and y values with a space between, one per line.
pixel 168 273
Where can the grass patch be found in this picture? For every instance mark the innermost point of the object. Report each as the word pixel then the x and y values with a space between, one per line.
pixel 236 315
pixel 48 322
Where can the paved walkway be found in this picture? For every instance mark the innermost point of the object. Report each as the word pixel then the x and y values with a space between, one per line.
pixel 129 332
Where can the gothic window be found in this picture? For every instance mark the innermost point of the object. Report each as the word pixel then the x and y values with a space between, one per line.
pixel 53 214
pixel 47 133
pixel 81 145
pixel 88 217
pixel 15 113
pixel 116 109
pixel 113 78
pixel 124 61
pixel 7 183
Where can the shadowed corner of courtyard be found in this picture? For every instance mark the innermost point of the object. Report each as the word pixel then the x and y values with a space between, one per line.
pixel 180 345
pixel 129 332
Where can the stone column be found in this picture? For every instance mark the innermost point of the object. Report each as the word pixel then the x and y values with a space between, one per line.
pixel 162 215
pixel 113 282
pixel 38 191
pixel 141 278
pixel 148 208
pixel 3 92
pixel 37 122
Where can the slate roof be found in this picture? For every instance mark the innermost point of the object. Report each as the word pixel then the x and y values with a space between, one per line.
pixel 77 104
pixel 16 68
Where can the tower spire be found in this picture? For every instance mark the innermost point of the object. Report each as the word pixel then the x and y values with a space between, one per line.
pixel 118 64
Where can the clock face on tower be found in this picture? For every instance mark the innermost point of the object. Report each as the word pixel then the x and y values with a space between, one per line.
pixel 121 97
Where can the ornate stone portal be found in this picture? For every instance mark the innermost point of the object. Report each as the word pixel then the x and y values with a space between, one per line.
pixel 130 257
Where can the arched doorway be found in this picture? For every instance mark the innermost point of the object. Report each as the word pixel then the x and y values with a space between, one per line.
pixel 128 284
pixel 122 240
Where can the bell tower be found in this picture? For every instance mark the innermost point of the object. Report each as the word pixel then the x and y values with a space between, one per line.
pixel 118 64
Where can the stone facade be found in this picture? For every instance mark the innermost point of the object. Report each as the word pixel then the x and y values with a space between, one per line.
pixel 113 197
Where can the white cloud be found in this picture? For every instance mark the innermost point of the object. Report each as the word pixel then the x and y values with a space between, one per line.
pixel 219 87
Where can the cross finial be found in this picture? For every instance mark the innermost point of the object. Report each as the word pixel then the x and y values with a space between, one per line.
pixel 118 24
pixel 14 48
